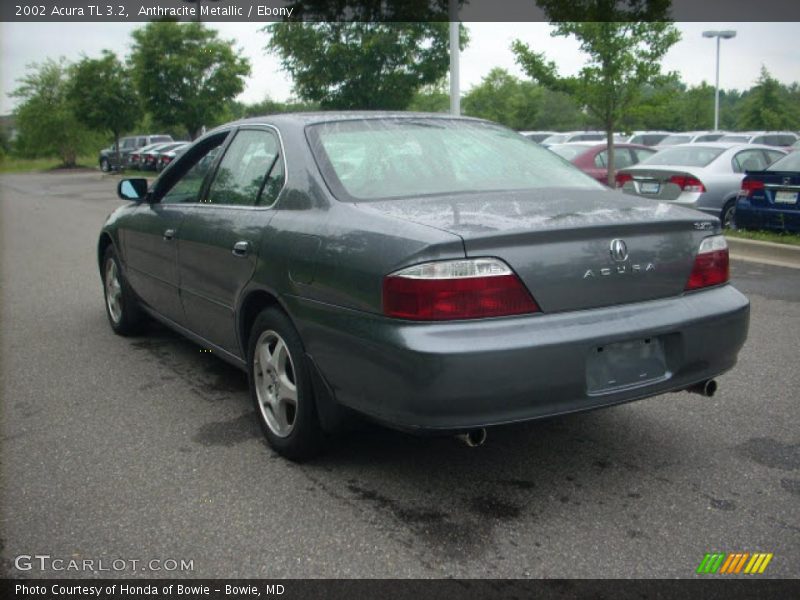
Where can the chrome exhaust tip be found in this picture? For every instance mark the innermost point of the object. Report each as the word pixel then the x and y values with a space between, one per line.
pixel 704 388
pixel 473 438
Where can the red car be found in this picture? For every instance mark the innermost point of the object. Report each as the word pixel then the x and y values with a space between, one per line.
pixel 592 157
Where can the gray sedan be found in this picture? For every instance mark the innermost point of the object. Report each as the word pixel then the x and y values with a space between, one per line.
pixel 706 176
pixel 434 274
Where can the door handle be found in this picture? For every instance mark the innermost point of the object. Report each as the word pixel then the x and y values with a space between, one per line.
pixel 241 248
pixel 169 234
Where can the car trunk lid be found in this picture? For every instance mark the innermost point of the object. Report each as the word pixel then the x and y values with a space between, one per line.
pixel 559 242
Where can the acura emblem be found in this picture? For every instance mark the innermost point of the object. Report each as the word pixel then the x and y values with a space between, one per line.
pixel 787 180
pixel 619 251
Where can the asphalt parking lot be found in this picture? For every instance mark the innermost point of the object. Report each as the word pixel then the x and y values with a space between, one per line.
pixel 147 448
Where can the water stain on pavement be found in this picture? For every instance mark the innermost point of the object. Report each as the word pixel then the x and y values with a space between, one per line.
pixel 229 433
pixel 772 453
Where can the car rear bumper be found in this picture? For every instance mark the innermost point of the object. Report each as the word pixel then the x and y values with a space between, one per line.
pixel 761 217
pixel 460 375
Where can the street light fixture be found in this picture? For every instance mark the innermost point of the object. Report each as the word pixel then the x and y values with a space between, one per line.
pixel 726 34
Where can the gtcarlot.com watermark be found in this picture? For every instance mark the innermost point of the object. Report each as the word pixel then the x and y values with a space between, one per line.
pixel 45 562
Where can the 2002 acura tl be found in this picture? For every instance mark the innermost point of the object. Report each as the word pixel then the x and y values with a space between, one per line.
pixel 437 274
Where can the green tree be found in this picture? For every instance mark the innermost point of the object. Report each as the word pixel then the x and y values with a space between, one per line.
pixel 433 98
pixel 185 74
pixel 767 105
pixel 361 65
pixel 623 55
pixel 503 98
pixel 103 96
pixel 45 118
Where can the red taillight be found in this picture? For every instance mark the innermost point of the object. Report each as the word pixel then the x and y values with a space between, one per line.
pixel 688 183
pixel 623 178
pixel 711 265
pixel 449 290
pixel 751 185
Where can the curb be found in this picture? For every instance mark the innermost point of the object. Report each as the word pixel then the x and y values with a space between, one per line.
pixel 769 253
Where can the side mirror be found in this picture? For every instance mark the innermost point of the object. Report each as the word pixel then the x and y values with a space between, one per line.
pixel 132 189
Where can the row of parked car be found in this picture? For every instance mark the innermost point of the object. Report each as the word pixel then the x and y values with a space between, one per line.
pixel 662 139
pixel 142 152
pixel 745 184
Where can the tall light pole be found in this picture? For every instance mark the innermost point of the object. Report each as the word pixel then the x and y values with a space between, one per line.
pixel 455 87
pixel 727 34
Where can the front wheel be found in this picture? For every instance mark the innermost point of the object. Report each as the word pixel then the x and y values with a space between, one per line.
pixel 122 307
pixel 280 387
pixel 105 166
pixel 728 215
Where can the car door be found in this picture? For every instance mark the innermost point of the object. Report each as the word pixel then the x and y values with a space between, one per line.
pixel 220 236
pixel 151 241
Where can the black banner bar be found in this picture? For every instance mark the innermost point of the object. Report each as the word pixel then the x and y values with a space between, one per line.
pixel 711 588
pixel 383 10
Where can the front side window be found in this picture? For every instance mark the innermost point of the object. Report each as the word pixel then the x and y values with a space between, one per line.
pixel 248 170
pixel 373 159
pixel 184 182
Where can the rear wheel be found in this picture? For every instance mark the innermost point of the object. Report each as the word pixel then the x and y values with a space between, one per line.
pixel 280 387
pixel 122 307
pixel 728 215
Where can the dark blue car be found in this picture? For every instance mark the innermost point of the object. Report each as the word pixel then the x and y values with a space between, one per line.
pixel 770 199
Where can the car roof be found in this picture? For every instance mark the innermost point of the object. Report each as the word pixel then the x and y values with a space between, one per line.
pixel 312 118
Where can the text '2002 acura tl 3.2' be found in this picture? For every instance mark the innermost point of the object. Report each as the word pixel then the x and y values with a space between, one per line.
pixel 436 274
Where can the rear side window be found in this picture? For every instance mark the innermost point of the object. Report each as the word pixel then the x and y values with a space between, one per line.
pixel 749 160
pixel 248 170
pixel 640 154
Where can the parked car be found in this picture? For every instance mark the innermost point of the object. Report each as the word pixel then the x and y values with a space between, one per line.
pixel 434 273
pixel 164 158
pixel 150 158
pixel 702 176
pixel 574 136
pixel 592 158
pixel 781 139
pixel 690 137
pixel 538 136
pixel 646 138
pixel 135 158
pixel 108 156
pixel 770 199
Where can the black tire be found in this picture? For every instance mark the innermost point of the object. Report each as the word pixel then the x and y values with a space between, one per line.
pixel 294 430
pixel 128 318
pixel 728 215
pixel 105 166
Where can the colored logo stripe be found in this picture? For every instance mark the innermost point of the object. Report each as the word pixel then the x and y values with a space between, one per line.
pixel 733 563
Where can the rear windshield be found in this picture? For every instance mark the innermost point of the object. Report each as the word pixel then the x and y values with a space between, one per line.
pixel 558 138
pixel 569 151
pixel 790 162
pixel 684 156
pixel 374 159
pixel 160 139
pixel 739 139
pixel 672 140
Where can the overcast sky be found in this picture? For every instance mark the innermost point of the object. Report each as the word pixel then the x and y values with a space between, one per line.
pixel 773 45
